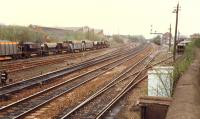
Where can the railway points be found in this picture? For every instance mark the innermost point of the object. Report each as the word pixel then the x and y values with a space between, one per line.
pixel 55 86
pixel 63 60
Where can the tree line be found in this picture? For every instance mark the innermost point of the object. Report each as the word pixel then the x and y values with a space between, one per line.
pixel 20 34
pixel 28 34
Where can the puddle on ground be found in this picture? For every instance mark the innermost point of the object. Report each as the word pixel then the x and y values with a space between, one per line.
pixel 113 113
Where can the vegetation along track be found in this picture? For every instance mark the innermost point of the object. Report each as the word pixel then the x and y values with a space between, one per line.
pixel 12 88
pixel 39 99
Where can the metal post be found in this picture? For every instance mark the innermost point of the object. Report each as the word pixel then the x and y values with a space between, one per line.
pixel 175 37
pixel 178 37
pixel 170 37
pixel 93 34
pixel 88 33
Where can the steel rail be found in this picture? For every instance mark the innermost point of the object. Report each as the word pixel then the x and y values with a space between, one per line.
pixel 130 85
pixel 116 99
pixel 128 88
pixel 42 62
pixel 34 60
pixel 53 75
pixel 61 93
pixel 74 78
pixel 52 59
pixel 105 88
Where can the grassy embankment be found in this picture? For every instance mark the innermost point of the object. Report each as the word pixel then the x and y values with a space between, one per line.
pixel 184 62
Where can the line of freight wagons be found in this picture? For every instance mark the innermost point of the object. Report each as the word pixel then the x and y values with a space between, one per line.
pixel 25 50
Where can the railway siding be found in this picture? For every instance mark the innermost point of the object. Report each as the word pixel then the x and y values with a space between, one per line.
pixel 39 104
pixel 95 76
pixel 53 75
pixel 79 93
pixel 84 112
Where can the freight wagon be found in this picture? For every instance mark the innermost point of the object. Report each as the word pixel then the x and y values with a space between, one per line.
pixel 77 46
pixel 27 49
pixel 54 48
pixel 8 48
pixel 88 45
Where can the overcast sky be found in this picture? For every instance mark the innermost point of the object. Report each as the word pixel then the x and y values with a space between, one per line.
pixel 113 16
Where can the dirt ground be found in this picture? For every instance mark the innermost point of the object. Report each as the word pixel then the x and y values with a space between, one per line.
pixel 129 102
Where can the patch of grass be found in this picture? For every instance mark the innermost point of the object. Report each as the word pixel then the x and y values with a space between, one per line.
pixel 197 42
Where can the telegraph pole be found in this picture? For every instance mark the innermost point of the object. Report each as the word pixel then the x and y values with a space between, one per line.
pixel 178 37
pixel 170 37
pixel 88 33
pixel 175 36
pixel 93 34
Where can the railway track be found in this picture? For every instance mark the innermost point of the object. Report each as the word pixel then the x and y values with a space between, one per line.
pixel 125 90
pixel 99 103
pixel 27 64
pixel 135 81
pixel 41 98
pixel 24 64
pixel 12 88
pixel 91 106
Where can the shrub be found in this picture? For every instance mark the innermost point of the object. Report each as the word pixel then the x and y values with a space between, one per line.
pixel 20 34
pixel 156 40
pixel 183 63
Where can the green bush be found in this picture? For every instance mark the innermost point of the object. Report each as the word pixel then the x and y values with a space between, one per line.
pixel 28 34
pixel 183 63
pixel 156 40
pixel 197 42
pixel 20 34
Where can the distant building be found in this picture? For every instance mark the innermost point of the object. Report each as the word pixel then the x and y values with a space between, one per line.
pixel 72 29
pixel 61 32
pixel 87 29
pixel 50 32
pixel 166 37
pixel 195 36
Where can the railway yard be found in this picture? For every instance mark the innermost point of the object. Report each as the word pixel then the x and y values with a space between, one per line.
pixel 103 83
pixel 99 59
